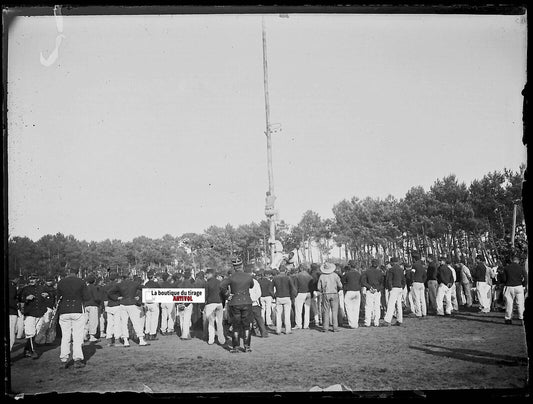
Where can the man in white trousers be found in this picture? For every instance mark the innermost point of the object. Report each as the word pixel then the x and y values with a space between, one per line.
pixel 372 281
pixel 445 279
pixel 395 283
pixel 514 278
pixel 213 310
pixel 152 309
pixel 72 292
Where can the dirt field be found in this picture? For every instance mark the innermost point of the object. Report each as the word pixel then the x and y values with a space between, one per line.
pixel 467 351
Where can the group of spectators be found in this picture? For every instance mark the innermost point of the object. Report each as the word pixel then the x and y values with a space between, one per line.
pixel 248 301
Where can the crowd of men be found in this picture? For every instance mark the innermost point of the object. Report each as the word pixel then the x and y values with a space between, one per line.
pixel 247 301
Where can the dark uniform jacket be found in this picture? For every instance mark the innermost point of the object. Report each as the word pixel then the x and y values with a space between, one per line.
pixel 266 287
pixel 351 280
pixel 444 275
pixel 514 275
pixel 432 272
pixel 304 282
pixel 95 294
pixel 151 284
pixel 240 284
pixel 52 293
pixel 479 273
pixel 35 307
pixel 128 290
pixel 372 278
pixel 13 303
pixel 420 274
pixel 213 291
pixel 395 277
pixel 105 294
pixel 284 286
pixel 73 292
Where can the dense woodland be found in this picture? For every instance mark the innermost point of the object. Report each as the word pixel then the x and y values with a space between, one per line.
pixel 450 218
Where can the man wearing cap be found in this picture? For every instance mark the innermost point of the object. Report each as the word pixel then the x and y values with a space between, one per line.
pixel 482 285
pixel 72 292
pixel 33 301
pixel 352 294
pixel 302 302
pixel 92 309
pixel 267 294
pixel 127 294
pixel 446 283
pixel 168 310
pixel 213 310
pixel 185 309
pixel 432 284
pixel 284 289
pixel 514 277
pixel 151 320
pixel 239 305
pixel 329 285
pixel 419 280
pixel 395 285
pixel 113 311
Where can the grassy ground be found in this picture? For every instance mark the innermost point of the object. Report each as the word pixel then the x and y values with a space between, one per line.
pixel 467 351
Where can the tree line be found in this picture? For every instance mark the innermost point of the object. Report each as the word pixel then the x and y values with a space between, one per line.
pixel 450 218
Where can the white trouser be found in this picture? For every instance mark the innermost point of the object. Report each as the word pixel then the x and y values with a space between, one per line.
pixel 102 320
pixel 419 299
pixel 455 302
pixel 283 305
pixel 152 318
pixel 302 302
pixel 512 294
pixel 483 295
pixel 266 309
pixel 20 325
pixel 185 321
pixel 168 314
pixel 352 305
pixel 12 330
pixel 72 329
pixel 315 311
pixel 444 292
pixel 134 313
pixel 33 325
pixel 394 303
pixel 214 313
pixel 114 321
pixel 372 308
pixel 91 326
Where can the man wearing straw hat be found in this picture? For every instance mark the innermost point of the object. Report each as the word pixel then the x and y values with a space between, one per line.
pixel 329 285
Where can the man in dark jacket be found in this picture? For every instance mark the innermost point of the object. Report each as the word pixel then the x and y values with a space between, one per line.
pixel 267 294
pixel 240 304
pixel 284 289
pixel 113 311
pixel 72 292
pixel 168 310
pixel 351 281
pixel 514 277
pixel 92 309
pixel 127 293
pixel 213 310
pixel 302 301
pixel 372 280
pixel 444 291
pixel 33 301
pixel 419 280
pixel 152 309
pixel 395 285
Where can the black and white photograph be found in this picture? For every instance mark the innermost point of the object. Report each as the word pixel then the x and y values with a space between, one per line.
pixel 265 200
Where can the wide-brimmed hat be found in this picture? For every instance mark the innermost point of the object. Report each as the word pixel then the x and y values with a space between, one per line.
pixel 328 268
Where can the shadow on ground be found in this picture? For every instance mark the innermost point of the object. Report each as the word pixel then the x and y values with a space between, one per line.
pixel 472 355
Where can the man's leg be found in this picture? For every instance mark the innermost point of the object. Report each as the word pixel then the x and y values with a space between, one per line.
pixel 508 297
pixel 307 310
pixel 399 308
pixel 92 323
pixel 448 293
pixel 66 336
pixel 77 323
pixel 12 333
pixel 326 307
pixel 391 306
pixel 335 310
pixel 287 314
pixel 417 300
pixel 187 313
pixel 357 308
pixel 440 297
pixel 467 290
pixel 369 306
pixel 520 298
pixel 349 307
pixel 219 313
pixel 137 320
pixel 279 309
pixel 30 331
pixel 298 306
pixel 209 313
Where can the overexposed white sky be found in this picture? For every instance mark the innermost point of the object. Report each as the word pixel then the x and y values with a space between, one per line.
pixel 154 124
